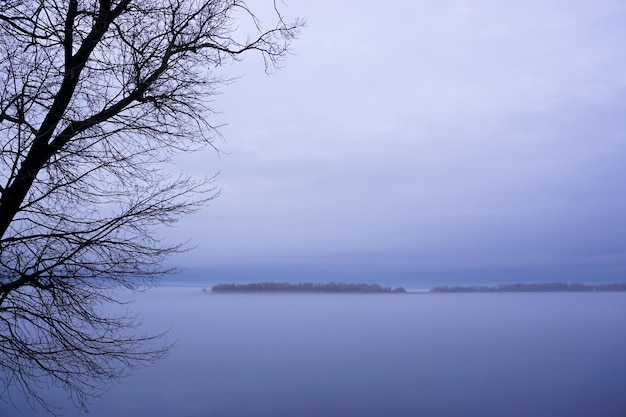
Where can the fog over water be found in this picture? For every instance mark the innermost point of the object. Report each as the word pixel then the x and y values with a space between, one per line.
pixel 267 355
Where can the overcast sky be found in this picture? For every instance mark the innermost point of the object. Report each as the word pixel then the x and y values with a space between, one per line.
pixel 435 141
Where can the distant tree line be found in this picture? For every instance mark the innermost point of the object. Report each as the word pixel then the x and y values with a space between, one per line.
pixel 330 287
pixel 539 287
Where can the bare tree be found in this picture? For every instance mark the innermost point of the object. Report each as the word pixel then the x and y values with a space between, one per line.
pixel 95 95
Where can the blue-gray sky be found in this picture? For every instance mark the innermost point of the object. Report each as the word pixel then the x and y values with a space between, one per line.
pixel 436 141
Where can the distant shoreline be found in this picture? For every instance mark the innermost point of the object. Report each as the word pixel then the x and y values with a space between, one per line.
pixel 330 287
pixel 537 287
pixel 362 288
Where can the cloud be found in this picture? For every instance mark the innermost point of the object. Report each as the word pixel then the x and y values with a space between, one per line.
pixel 487 135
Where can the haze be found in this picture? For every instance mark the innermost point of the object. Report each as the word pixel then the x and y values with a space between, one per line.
pixel 442 141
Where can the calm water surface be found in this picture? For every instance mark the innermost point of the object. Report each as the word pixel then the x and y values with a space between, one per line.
pixel 279 355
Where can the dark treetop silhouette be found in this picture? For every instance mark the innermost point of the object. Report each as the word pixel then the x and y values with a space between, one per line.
pixel 94 97
pixel 327 287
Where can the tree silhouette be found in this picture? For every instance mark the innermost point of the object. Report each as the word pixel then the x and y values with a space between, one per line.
pixel 95 96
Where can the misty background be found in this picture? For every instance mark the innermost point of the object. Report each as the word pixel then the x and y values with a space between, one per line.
pixel 448 141
pixel 416 144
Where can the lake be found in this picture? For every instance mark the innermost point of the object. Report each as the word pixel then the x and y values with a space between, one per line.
pixel 437 355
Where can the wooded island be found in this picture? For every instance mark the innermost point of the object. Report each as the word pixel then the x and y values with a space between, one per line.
pixel 342 287
pixel 330 287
